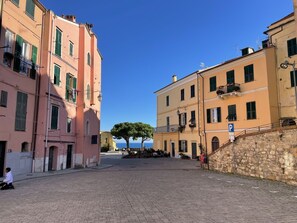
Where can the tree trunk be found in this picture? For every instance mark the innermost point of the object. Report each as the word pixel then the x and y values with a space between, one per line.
pixel 142 143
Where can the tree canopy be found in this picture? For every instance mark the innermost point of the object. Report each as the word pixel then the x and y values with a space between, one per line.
pixel 127 130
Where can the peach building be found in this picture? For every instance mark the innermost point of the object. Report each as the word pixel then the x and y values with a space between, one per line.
pixel 255 90
pixel 20 49
pixel 70 96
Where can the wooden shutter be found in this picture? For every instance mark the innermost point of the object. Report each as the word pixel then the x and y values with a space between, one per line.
pixel 3 99
pixel 21 112
pixel 67 86
pixel 30 7
pixel 219 114
pixel 18 53
pixel 208 116
pixel 58 42
pixel 74 88
pixel 54 117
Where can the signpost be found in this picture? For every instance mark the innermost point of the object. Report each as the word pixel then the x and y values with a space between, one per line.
pixel 231 132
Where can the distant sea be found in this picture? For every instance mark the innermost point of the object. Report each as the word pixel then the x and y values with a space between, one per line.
pixel 135 145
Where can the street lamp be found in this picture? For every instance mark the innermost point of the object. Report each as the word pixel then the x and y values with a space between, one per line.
pixel 285 65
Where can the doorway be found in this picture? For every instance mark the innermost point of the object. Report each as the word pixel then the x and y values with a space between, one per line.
pixel 51 157
pixel 172 149
pixel 2 157
pixel 69 157
pixel 194 150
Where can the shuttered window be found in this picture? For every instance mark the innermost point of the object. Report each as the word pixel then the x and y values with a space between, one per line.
pixel 18 53
pixel 21 111
pixel 292 78
pixel 251 110
pixel 58 45
pixel 3 99
pixel 192 91
pixel 182 94
pixel 89 59
pixel 212 83
pixel 249 73
pixel 30 8
pixel 70 91
pixel 292 47
pixel 54 117
pixel 213 115
pixel 16 2
pixel 71 46
pixel 57 71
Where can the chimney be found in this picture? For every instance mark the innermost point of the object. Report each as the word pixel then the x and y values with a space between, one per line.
pixel 70 18
pixel 246 51
pixel 174 78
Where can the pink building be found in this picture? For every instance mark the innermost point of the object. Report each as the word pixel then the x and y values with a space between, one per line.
pixel 20 48
pixel 50 90
pixel 69 109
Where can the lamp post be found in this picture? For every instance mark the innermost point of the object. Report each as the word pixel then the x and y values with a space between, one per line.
pixel 285 65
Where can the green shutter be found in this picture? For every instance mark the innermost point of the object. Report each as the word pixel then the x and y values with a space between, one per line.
pixel 54 117
pixel 18 53
pixel 67 86
pixel 30 7
pixel 208 116
pixel 16 2
pixel 21 111
pixel 219 114
pixel 34 54
pixel 74 87
pixel 58 42
pixel 57 75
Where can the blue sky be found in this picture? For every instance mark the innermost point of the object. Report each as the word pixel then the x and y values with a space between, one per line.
pixel 145 42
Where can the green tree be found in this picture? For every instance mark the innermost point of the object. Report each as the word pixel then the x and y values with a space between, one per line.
pixel 143 131
pixel 125 131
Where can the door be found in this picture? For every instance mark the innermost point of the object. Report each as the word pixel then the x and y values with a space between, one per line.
pixel 172 150
pixel 2 157
pixel 194 150
pixel 51 158
pixel 69 157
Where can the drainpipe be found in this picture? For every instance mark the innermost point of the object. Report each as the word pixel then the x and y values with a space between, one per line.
pixel 37 96
pixel 203 113
pixel 49 92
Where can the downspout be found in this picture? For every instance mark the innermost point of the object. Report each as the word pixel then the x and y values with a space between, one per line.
pixel 198 115
pixel 49 93
pixel 204 124
pixel 37 96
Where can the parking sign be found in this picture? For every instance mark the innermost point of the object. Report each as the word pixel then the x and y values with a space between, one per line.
pixel 230 127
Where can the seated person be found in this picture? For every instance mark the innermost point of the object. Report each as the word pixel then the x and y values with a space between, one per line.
pixel 8 180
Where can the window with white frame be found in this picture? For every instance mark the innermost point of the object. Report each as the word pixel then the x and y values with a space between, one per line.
pixel 214 115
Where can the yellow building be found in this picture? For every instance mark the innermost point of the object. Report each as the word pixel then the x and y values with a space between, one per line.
pixel 106 140
pixel 210 107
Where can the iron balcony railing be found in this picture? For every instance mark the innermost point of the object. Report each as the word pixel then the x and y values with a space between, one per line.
pixel 229 88
pixel 168 128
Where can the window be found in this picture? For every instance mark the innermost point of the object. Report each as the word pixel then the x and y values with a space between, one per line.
pixel 192 91
pixel 21 111
pixel 54 117
pixel 168 124
pixel 30 8
pixel 3 99
pixel 193 119
pixel 18 53
pixel 25 147
pixel 292 78
pixel 230 77
pixel 71 46
pixel 69 121
pixel 70 88
pixel 182 146
pixel 232 113
pixel 182 94
pixel 215 143
pixel 165 145
pixel 249 73
pixel 8 56
pixel 89 59
pixel 212 83
pixel 292 47
pixel 57 70
pixel 182 119
pixel 213 115
pixel 167 100
pixel 88 92
pixel 251 110
pixel 58 41
pixel 16 2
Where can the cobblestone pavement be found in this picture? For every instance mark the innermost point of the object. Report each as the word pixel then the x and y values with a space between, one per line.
pixel 149 190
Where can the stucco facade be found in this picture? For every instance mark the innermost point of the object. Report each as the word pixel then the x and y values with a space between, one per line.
pixel 106 140
pixel 20 49
pixel 50 88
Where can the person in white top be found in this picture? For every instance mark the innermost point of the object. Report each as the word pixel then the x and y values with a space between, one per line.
pixel 8 180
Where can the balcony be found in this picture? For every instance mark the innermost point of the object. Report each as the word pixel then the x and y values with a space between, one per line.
pixel 169 128
pixel 232 89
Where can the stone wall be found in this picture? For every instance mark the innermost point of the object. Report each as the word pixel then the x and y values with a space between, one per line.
pixel 268 155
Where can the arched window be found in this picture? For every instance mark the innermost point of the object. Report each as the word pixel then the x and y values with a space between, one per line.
pixel 89 59
pixel 25 147
pixel 215 143
pixel 88 92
